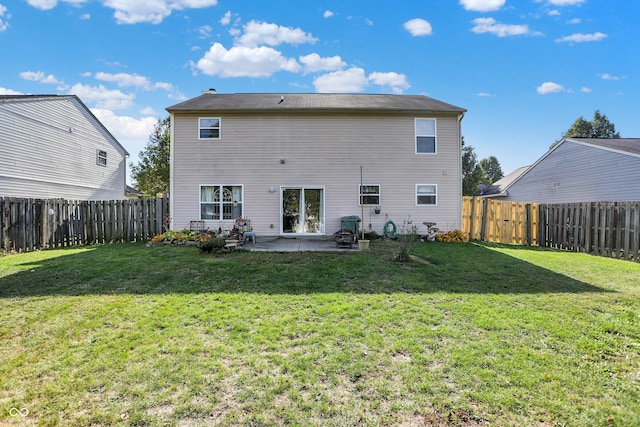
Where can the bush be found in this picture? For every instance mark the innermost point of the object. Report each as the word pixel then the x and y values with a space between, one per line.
pixel 212 244
pixel 407 237
pixel 453 236
pixel 371 235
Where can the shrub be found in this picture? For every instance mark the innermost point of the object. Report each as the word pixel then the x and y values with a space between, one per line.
pixel 453 236
pixel 212 244
pixel 407 237
pixel 371 235
pixel 174 236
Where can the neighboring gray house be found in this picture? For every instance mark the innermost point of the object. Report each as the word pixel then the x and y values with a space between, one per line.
pixel 291 164
pixel 578 170
pixel 52 146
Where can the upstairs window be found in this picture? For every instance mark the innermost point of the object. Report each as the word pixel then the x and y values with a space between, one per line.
pixel 369 194
pixel 426 136
pixel 426 194
pixel 101 158
pixel 220 202
pixel 209 128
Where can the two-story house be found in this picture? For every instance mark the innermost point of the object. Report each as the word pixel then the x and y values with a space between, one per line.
pixel 53 147
pixel 296 164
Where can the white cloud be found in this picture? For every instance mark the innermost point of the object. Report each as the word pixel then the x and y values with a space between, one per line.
pixel 226 19
pixel 241 61
pixel 607 76
pixel 574 21
pixel 354 80
pixel 133 80
pixel 124 79
pixel 5 91
pixel 565 2
pixel 259 33
pixel 85 16
pixel 148 111
pixel 485 95
pixel 490 25
pixel 43 4
pixel 554 13
pixel 348 81
pixel 396 82
pixel 134 11
pixel 132 133
pixel 4 16
pixel 581 38
pixel 327 14
pixel 205 31
pixel 482 5
pixel 50 4
pixel 585 89
pixel 102 97
pixel 418 27
pixel 151 11
pixel 549 87
pixel 314 63
pixel 39 76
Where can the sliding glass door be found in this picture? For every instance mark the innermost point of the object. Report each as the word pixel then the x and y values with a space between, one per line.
pixel 302 210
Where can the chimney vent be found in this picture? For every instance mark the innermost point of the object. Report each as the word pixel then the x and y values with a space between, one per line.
pixel 211 91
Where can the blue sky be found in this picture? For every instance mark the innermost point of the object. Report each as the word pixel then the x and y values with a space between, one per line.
pixel 524 70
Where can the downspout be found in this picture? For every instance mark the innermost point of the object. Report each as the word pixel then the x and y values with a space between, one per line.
pixel 460 117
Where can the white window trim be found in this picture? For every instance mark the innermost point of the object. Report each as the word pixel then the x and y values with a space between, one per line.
pixel 435 135
pixel 219 220
pixel 219 129
pixel 379 194
pixel 100 156
pixel 417 194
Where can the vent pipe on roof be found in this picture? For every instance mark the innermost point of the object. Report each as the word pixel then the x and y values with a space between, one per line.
pixel 211 91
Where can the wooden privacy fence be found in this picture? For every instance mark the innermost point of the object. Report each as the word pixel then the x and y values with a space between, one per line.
pixel 28 224
pixel 610 229
pixel 500 221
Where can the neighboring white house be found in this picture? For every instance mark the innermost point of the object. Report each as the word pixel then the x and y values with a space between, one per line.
pixel 293 164
pixel 578 170
pixel 52 146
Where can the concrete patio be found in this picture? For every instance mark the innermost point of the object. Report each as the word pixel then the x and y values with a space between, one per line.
pixel 300 244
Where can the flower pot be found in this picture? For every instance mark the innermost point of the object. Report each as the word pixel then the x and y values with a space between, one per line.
pixel 363 245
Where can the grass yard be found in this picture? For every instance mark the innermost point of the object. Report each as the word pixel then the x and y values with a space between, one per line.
pixel 465 335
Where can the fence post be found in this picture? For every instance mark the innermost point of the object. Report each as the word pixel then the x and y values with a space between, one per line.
pixel 483 227
pixel 529 224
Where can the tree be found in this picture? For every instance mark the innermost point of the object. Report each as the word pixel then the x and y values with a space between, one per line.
pixel 491 170
pixel 599 127
pixel 151 174
pixel 471 171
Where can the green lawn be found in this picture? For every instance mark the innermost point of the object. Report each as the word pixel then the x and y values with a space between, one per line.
pixel 464 335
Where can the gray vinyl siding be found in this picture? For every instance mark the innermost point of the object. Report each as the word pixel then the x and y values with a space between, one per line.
pixel 318 150
pixel 579 173
pixel 49 148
